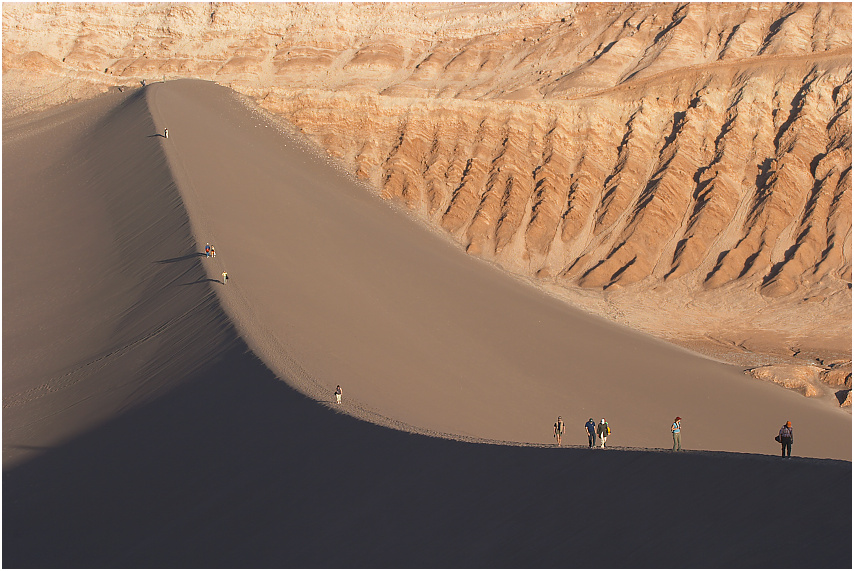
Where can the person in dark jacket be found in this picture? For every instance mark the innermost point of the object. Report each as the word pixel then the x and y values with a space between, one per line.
pixel 786 439
pixel 591 432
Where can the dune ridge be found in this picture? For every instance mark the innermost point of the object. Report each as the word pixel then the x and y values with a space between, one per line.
pixel 419 335
pixel 199 456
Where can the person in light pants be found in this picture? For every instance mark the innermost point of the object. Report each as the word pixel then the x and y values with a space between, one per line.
pixel 676 429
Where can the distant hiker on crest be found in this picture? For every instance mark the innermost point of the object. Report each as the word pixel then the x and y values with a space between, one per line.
pixel 166 133
pixel 224 278
pixel 207 250
pixel 603 430
pixel 676 429
pixel 213 252
pixel 338 393
pixel 559 428
pixel 591 433
pixel 785 438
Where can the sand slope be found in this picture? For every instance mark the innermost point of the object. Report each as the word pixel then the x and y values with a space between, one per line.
pixel 139 431
pixel 329 285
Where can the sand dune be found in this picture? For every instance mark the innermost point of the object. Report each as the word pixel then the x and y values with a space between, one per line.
pixel 329 280
pixel 140 430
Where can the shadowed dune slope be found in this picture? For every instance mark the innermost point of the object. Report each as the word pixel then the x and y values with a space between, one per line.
pixel 329 285
pixel 139 431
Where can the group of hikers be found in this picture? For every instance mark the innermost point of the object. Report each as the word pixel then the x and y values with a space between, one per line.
pixel 210 252
pixel 603 430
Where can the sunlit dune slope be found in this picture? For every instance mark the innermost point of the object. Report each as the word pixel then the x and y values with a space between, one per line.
pixel 331 286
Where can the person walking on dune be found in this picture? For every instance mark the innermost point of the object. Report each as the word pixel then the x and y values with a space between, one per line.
pixel 559 428
pixel 166 133
pixel 224 278
pixel 591 433
pixel 603 430
pixel 207 250
pixel 676 429
pixel 213 252
pixel 785 439
pixel 338 393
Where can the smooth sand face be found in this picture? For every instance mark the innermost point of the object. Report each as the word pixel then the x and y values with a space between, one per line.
pixel 328 280
pixel 139 431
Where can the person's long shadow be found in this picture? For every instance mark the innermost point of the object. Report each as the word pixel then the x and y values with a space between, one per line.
pixel 157 135
pixel 202 281
pixel 181 258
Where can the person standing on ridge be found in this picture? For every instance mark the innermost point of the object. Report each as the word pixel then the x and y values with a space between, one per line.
pixel 166 133
pixel 603 430
pixel 224 278
pixel 338 393
pixel 213 252
pixel 559 428
pixel 591 433
pixel 786 439
pixel 207 250
pixel 676 429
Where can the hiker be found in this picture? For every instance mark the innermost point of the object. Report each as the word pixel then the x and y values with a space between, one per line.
pixel 338 393
pixel 224 278
pixel 603 430
pixel 166 133
pixel 559 428
pixel 676 429
pixel 207 250
pixel 591 433
pixel 213 252
pixel 785 438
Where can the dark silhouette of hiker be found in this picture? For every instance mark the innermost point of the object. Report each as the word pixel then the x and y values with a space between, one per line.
pixel 591 432
pixel 786 438
pixel 166 133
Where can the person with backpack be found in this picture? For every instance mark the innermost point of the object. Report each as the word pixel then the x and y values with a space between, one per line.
pixel 785 438
pixel 676 429
pixel 603 430
pixel 591 433
pixel 338 393
pixel 559 428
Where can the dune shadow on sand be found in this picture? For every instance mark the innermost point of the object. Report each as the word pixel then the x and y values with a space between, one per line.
pixel 233 469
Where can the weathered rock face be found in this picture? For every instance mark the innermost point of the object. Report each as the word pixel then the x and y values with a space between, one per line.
pixel 698 150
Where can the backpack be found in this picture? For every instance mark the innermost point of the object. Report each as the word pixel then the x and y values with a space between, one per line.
pixel 607 430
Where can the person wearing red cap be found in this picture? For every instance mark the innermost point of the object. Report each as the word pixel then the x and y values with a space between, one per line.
pixel 786 439
pixel 676 430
